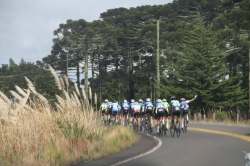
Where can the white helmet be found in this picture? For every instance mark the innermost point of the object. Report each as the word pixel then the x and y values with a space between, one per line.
pixel 132 100
pixel 158 100
pixel 148 99
pixel 125 101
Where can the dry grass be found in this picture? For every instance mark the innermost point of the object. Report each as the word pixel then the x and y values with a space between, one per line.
pixel 33 133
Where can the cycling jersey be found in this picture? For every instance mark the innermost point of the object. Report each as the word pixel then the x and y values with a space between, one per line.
pixel 131 107
pixel 125 106
pixel 159 107
pixel 148 106
pixel 184 105
pixel 115 107
pixel 166 105
pixel 137 108
pixel 175 104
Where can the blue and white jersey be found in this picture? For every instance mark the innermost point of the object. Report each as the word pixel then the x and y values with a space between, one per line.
pixel 184 105
pixel 160 107
pixel 125 106
pixel 148 105
pixel 107 104
pixel 115 107
pixel 131 106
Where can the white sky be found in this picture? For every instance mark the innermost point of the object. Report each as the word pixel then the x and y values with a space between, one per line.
pixel 26 26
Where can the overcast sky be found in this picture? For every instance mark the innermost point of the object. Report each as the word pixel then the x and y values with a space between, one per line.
pixel 26 26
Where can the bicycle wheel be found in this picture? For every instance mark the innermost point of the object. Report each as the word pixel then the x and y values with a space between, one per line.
pixel 172 129
pixel 135 124
pixel 164 129
pixel 185 125
pixel 178 129
pixel 149 126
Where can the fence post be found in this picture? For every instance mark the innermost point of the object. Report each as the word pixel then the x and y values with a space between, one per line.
pixel 237 118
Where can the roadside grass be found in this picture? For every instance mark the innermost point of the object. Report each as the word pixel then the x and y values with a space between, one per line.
pixel 35 133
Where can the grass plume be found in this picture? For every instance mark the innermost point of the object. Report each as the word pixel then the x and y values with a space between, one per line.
pixel 34 133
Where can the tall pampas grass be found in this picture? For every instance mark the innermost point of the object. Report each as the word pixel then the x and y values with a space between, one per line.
pixel 34 133
pixel 57 80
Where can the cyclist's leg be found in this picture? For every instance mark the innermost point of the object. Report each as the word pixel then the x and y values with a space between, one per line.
pixel 157 117
pixel 182 118
pixel 166 119
pixel 172 117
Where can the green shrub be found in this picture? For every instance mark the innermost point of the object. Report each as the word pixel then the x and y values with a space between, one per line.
pixel 220 116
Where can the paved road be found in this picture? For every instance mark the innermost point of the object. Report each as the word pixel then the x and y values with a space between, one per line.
pixel 197 147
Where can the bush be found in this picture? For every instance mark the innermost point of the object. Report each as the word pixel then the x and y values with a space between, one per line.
pixel 220 116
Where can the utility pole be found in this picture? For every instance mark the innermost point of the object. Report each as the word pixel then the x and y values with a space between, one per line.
pixel 86 73
pixel 249 83
pixel 67 66
pixel 158 61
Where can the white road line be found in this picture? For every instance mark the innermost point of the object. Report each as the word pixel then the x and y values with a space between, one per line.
pixel 142 154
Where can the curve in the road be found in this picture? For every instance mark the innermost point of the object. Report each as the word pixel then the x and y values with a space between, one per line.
pixel 243 137
pixel 246 138
pixel 142 154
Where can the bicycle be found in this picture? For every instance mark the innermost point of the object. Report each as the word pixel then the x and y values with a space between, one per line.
pixel 162 129
pixel 126 120
pixel 146 124
pixel 185 124
pixel 175 128
pixel 135 123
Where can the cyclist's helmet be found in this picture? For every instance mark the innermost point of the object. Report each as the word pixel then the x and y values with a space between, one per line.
pixel 158 100
pixel 106 100
pixel 132 100
pixel 182 99
pixel 164 100
pixel 114 101
pixel 136 103
pixel 148 99
pixel 140 101
pixel 125 101
pixel 172 98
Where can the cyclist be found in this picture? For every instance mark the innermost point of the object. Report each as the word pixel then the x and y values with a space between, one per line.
pixel 115 109
pixel 137 112
pixel 148 109
pixel 104 108
pixel 185 108
pixel 140 102
pixel 175 108
pixel 164 101
pixel 125 111
pixel 159 113
pixel 131 108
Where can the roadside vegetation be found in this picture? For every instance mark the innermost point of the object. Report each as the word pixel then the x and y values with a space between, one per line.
pixel 35 133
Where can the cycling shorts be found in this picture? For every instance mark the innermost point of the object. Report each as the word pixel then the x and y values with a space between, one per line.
pixel 160 112
pixel 176 111
pixel 136 114
pixel 114 112
pixel 125 111
pixel 184 112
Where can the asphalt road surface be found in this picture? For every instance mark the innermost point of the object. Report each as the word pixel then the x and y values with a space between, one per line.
pixel 202 145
